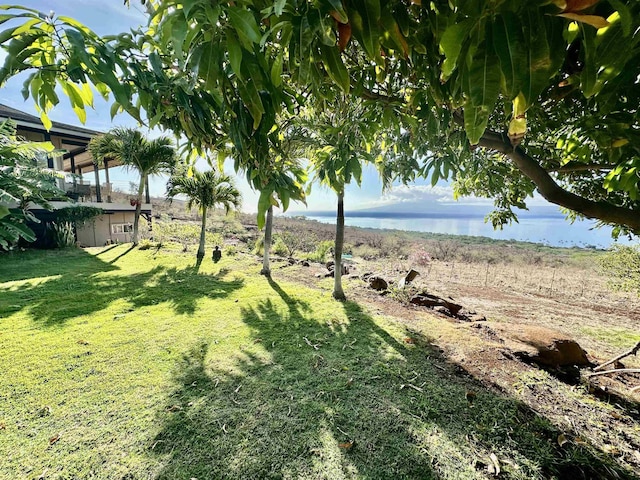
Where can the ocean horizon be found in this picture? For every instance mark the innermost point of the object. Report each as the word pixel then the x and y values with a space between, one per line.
pixel 544 225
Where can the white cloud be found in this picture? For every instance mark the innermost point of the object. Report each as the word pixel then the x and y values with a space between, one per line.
pixel 442 194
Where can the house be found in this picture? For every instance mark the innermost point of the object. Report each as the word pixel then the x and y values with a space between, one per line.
pixel 84 182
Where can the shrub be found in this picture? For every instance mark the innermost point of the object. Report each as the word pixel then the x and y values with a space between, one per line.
pixel 231 250
pixel 445 250
pixel 622 264
pixel 366 252
pixel 185 234
pixel 61 234
pixel 279 248
pixel 258 247
pixel 419 256
pixel 78 214
pixel 320 253
pixel 290 241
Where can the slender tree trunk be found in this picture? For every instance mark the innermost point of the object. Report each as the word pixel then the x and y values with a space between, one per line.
pixel 203 230
pixel 266 269
pixel 338 292
pixel 136 218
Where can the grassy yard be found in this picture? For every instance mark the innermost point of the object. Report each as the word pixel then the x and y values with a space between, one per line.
pixel 120 363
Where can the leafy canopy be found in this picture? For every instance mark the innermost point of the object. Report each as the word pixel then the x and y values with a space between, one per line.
pixel 22 184
pixel 504 97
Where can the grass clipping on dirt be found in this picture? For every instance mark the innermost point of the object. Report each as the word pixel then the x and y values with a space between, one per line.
pixel 120 363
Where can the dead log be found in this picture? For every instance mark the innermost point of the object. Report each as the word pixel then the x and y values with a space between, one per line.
pixel 616 370
pixel 427 300
pixel 633 351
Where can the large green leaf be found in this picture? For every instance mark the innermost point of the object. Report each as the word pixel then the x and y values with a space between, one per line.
pixel 235 53
pixel 179 29
pixel 251 98
pixel 264 202
pixel 4 211
pixel 538 60
pixel 337 7
pixel 245 25
pixel 365 16
pixel 589 74
pixel 276 71
pixel 335 68
pixel 451 45
pixel 508 44
pixel 483 80
pixel 475 121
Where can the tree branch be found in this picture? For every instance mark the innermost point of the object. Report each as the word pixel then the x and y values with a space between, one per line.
pixel 634 350
pixel 580 167
pixel 554 193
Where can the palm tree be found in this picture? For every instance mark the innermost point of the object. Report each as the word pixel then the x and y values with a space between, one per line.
pixel 206 190
pixel 132 149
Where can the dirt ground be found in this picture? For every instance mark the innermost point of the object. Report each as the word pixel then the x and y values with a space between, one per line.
pixel 601 411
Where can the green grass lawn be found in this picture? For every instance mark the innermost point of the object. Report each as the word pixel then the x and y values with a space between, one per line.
pixel 119 363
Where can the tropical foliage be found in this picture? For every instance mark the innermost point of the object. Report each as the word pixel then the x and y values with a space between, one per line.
pixel 129 147
pixel 205 190
pixel 22 185
pixel 504 97
pixel 340 138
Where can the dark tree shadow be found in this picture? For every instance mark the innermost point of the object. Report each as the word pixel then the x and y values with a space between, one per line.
pixel 291 402
pixel 107 249
pixel 16 266
pixel 70 295
pixel 114 260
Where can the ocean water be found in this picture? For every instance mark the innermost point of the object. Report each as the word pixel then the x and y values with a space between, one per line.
pixel 548 229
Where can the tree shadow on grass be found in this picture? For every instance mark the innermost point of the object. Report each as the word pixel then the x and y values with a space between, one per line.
pixel 115 259
pixel 16 266
pixel 53 302
pixel 335 395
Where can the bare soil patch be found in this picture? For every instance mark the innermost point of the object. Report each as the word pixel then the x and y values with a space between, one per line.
pixel 601 412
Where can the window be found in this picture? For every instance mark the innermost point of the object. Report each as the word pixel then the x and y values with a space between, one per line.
pixel 121 228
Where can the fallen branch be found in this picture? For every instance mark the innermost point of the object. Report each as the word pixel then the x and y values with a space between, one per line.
pixel 617 370
pixel 635 388
pixel 315 346
pixel 417 389
pixel 633 351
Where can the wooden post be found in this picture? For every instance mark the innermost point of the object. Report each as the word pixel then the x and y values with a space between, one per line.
pixel 95 171
pixel 106 175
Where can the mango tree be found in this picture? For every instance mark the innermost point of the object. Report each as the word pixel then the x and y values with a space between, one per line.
pixel 535 95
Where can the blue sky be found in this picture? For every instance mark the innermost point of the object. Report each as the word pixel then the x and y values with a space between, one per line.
pixel 111 17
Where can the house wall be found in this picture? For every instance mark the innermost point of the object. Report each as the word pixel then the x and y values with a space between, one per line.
pixel 100 231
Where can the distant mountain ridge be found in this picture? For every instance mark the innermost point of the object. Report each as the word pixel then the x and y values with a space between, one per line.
pixel 435 210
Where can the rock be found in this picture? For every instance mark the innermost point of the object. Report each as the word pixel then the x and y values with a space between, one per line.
pixel 542 346
pixel 408 278
pixel 330 265
pixel 378 283
pixel 292 261
pixel 367 275
pixel 305 263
